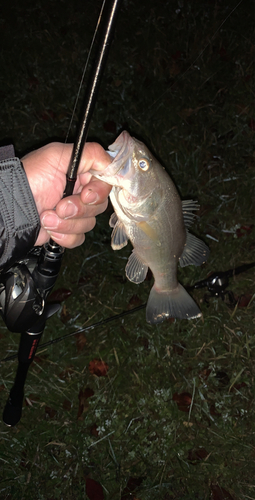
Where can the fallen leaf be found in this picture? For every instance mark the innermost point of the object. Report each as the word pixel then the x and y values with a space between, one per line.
pixel 132 484
pixel 117 83
pixel 135 301
pixel 83 280
pixel 237 386
pixel 183 400
pixel 244 230
pixel 98 367
pixel 47 115
pixel 50 412
pixel 170 320
pixel 252 124
pixel 223 378
pixel 219 493
pixel 33 82
pixel 67 405
pixel 80 341
pixel 40 359
pixel 197 455
pixel 144 342
pixel 244 300
pixel 177 55
pixel 179 348
pixel 60 295
pixel 25 462
pixel 213 411
pixel 223 54
pixel 204 374
pixel 94 490
pixel 83 397
pixel 32 398
pixel 94 430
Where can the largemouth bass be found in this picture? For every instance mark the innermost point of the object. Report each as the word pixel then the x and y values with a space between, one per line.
pixel 150 213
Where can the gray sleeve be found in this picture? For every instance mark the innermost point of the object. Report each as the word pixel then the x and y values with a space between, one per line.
pixel 19 219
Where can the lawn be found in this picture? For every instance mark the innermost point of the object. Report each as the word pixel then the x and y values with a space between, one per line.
pixel 128 410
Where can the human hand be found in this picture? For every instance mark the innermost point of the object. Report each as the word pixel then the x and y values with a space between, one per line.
pixel 74 215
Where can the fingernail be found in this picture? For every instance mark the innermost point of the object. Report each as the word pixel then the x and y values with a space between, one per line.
pixel 70 210
pixel 50 221
pixel 56 236
pixel 91 197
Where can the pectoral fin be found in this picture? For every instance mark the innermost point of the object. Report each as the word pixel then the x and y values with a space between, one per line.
pixel 113 220
pixel 135 269
pixel 119 236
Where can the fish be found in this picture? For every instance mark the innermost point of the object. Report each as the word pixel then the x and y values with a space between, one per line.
pixel 148 211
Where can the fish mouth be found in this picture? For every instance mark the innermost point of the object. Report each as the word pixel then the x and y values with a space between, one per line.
pixel 120 151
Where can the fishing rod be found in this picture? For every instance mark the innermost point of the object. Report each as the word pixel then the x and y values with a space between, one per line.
pixel 26 286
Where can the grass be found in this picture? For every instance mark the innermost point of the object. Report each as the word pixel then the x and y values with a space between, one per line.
pixel 173 416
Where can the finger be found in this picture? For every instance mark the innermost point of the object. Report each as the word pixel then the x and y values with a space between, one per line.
pixel 65 240
pixel 51 222
pixel 93 194
pixel 68 240
pixel 43 237
pixel 94 157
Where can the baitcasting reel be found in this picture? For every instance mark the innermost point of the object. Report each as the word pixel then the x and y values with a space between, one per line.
pixel 25 287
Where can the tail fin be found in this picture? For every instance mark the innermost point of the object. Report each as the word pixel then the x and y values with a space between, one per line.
pixel 171 304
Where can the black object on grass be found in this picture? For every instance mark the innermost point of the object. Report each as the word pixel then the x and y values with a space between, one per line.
pixel 218 282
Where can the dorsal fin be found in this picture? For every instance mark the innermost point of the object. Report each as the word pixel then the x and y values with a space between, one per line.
pixel 188 206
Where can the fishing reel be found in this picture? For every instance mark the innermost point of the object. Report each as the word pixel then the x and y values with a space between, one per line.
pixel 20 301
pixel 216 283
pixel 25 287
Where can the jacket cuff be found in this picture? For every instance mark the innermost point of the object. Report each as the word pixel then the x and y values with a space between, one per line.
pixel 19 219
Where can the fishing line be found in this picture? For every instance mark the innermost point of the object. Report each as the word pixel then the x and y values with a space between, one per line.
pixel 215 282
pixel 81 330
pixel 82 80
pixel 199 55
pixel 85 70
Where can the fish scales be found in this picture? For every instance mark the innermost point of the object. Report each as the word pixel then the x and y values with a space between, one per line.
pixel 149 213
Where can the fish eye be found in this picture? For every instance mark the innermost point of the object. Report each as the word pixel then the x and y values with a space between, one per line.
pixel 144 164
